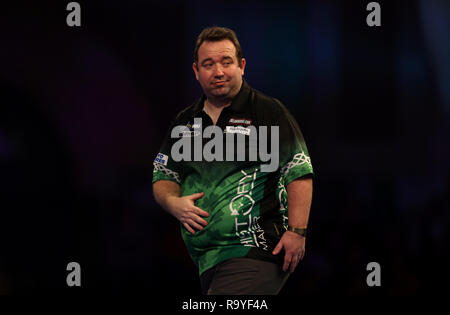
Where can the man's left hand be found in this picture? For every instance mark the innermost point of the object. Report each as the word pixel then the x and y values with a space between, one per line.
pixel 294 248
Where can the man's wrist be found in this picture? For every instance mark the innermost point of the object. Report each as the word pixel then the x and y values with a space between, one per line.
pixel 300 231
pixel 169 200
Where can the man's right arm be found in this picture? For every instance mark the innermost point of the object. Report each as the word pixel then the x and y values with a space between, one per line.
pixel 168 195
pixel 164 190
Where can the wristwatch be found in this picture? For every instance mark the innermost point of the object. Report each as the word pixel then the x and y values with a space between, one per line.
pixel 299 231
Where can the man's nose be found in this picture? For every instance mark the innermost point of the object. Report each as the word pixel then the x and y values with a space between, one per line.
pixel 218 71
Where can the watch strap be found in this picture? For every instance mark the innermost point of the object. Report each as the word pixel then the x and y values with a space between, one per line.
pixel 299 231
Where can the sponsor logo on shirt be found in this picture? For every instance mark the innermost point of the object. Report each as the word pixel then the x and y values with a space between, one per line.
pixel 247 227
pixel 191 130
pixel 237 129
pixel 240 121
pixel 161 158
pixel 190 133
pixel 192 126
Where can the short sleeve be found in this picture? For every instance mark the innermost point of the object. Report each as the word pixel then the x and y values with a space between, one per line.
pixel 164 167
pixel 295 161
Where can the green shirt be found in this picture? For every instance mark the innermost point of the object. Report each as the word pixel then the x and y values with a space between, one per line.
pixel 247 207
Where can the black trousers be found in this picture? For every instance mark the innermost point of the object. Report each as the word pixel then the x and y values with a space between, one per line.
pixel 243 276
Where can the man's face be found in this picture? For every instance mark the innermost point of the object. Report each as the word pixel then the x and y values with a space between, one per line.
pixel 219 73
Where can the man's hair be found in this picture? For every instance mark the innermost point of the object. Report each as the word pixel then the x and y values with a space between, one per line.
pixel 215 34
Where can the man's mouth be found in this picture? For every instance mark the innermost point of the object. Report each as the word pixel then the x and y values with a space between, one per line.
pixel 219 83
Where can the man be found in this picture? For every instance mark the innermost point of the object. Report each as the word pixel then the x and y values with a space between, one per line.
pixel 244 227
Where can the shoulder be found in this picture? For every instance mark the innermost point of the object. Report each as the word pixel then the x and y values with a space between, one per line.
pixel 269 108
pixel 185 114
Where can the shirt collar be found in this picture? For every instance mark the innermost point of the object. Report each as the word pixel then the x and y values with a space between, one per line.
pixel 237 105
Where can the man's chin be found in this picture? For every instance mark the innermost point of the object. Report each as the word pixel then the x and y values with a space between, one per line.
pixel 220 92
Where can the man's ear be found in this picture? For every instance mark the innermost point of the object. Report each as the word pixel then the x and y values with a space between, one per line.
pixel 194 67
pixel 242 65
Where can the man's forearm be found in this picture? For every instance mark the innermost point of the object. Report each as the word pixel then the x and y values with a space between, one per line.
pixel 299 194
pixel 163 190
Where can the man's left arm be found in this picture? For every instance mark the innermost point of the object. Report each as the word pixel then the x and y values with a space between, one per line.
pixel 299 193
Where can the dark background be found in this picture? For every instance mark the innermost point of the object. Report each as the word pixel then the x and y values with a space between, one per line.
pixel 83 112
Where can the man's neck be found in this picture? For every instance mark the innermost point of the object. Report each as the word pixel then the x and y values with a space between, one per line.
pixel 214 109
pixel 213 105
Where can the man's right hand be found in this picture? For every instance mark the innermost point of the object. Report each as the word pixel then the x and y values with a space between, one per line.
pixel 184 209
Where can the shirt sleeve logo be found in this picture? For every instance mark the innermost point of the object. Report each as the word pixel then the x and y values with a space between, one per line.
pixel 161 158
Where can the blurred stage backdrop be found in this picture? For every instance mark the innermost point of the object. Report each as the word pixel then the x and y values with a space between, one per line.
pixel 83 112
